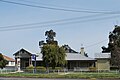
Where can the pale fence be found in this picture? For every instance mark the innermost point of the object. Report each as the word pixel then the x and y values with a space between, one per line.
pixel 2 71
pixel 5 71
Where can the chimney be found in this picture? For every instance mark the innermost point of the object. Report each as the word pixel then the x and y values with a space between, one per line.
pixel 82 51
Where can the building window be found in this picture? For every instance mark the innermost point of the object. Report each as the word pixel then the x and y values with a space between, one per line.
pixel 12 62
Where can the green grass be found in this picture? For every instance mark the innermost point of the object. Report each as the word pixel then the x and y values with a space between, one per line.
pixel 62 75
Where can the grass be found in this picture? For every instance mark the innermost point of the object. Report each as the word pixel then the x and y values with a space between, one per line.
pixel 75 75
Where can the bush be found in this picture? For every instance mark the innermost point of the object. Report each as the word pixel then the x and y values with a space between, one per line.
pixel 40 69
pixel 114 68
pixel 92 68
pixel 29 69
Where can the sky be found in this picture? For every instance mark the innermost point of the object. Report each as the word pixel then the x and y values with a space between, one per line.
pixel 77 23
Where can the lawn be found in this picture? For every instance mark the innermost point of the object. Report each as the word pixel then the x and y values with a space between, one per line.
pixel 71 75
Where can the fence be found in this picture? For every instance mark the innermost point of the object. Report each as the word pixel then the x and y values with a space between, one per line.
pixel 2 71
pixel 39 71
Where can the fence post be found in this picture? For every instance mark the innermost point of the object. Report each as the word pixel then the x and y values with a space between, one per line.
pixel 81 71
pixel 116 71
pixel 58 71
pixel 0 71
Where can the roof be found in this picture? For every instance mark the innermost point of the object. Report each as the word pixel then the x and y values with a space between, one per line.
pixel 77 56
pixel 70 56
pixel 39 57
pixel 68 49
pixel 102 55
pixel 8 58
pixel 21 50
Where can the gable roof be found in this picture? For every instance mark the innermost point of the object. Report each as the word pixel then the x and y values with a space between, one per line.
pixel 8 58
pixel 22 50
pixel 68 49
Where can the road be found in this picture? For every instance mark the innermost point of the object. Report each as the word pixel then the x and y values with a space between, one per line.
pixel 1 78
pixel 37 79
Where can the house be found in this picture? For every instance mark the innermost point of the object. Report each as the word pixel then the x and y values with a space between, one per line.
pixel 11 63
pixel 103 61
pixel 24 58
pixel 80 62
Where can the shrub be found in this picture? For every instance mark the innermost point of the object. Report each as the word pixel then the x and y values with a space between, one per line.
pixel 40 69
pixel 92 68
pixel 114 68
pixel 29 69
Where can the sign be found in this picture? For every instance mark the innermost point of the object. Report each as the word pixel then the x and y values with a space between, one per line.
pixel 33 56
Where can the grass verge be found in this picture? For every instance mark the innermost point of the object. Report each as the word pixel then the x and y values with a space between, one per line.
pixel 74 75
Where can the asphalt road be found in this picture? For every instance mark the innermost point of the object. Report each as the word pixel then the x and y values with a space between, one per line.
pixel 37 79
pixel 1 78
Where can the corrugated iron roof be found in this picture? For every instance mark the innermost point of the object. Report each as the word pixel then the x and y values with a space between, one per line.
pixel 102 55
pixel 77 56
pixel 8 58
pixel 70 56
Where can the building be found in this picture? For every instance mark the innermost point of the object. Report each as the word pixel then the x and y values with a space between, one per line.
pixel 22 59
pixel 11 63
pixel 76 61
pixel 103 61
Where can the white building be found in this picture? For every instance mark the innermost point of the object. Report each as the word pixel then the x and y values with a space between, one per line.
pixel 11 63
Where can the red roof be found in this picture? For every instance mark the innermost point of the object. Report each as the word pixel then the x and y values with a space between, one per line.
pixel 8 58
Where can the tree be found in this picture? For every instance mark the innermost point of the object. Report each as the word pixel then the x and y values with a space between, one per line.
pixel 3 62
pixel 114 46
pixel 61 56
pixel 53 55
pixel 50 37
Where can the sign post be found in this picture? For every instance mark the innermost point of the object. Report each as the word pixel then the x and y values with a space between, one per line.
pixel 34 58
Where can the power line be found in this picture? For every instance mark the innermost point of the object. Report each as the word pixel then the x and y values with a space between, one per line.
pixel 33 2
pixel 54 8
pixel 74 22
pixel 96 43
pixel 55 21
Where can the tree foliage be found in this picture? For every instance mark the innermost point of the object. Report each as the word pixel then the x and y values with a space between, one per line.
pixel 114 46
pixel 50 37
pixel 53 55
pixel 3 62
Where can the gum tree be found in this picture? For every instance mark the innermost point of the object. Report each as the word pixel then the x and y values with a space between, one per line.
pixel 53 54
pixel 114 46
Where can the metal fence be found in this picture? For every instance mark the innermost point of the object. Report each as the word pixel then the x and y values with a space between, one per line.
pixel 2 71
pixel 39 71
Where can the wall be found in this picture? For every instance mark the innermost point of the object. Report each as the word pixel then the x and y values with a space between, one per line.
pixel 11 63
pixel 103 64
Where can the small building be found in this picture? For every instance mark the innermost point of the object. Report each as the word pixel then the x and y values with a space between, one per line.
pixel 80 62
pixel 22 59
pixel 11 63
pixel 103 61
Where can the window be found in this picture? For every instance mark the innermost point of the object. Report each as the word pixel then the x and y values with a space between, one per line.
pixel 12 62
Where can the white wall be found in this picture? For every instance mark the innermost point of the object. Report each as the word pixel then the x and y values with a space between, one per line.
pixel 11 63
